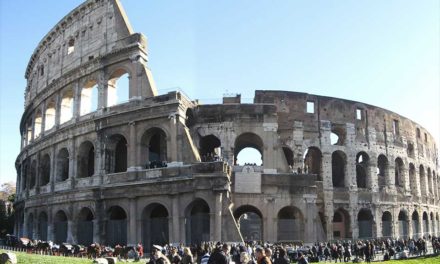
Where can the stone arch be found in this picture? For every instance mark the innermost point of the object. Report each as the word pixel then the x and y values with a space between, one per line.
pixel 89 97
pixel 116 226
pixel 118 87
pixel 42 226
pixel 38 124
pixel 403 224
pixel 85 226
pixel 422 180
pixel 362 169
pixel 338 134
pixel 66 111
pixel 387 224
pixel 33 172
pixel 210 148
pixel 412 178
pixel 341 224
pixel 155 224
pixel 45 170
pixel 250 222
pixel 197 215
pixel 313 162
pixel 425 224
pixel 365 223
pixel 30 226
pixel 290 224
pixel 248 140
pixel 415 224
pixel 49 120
pixel 86 160
pixel 116 150
pixel 60 227
pixel 399 172
pixel 62 165
pixel 154 147
pixel 339 163
pixel 382 170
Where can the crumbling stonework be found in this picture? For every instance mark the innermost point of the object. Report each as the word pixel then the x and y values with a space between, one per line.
pixel 332 168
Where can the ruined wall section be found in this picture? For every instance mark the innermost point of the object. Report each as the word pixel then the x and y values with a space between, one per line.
pixel 91 30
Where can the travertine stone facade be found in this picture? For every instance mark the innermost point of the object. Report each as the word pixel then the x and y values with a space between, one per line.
pixel 92 168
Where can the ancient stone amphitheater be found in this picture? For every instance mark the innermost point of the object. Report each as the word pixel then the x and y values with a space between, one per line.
pixel 163 168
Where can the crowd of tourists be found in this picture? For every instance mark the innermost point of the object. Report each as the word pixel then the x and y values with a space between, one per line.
pixel 285 253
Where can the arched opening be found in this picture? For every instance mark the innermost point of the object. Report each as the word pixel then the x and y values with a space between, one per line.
pixel 337 135
pixel 422 180
pixel 118 89
pixel 66 112
pixel 250 222
pixel 116 158
pixel 42 226
pixel 154 148
pixel 399 171
pixel 210 148
pixel 341 224
pixel 403 224
pixel 365 224
pixel 60 227
pixel 412 179
pixel 25 175
pixel 29 132
pixel 62 165
pixel 45 170
pixel 116 226
pixel 89 98
pixel 50 116
pixel 387 224
pixel 415 224
pixel 85 227
pixel 410 150
pixel 38 124
pixel 197 222
pixel 425 224
pixel 248 150
pixel 290 224
pixel 382 170
pixel 339 162
pixel 86 160
pixel 313 162
pixel 155 225
pixel 71 46
pixel 30 226
pixel 33 178
pixel 190 119
pixel 288 154
pixel 362 169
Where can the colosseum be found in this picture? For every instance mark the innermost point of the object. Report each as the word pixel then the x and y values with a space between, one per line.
pixel 150 168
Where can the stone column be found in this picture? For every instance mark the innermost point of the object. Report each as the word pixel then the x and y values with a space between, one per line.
pixel 132 239
pixel 102 90
pixel 350 171
pixel 131 150
pixel 218 217
pixel 172 146
pixel 76 101
pixel 57 110
pixel 25 223
pixel 373 178
pixel 175 220
pixel 50 225
pixel 268 223
pixel 53 169
pixel 43 119
pixel 72 161
pixel 71 238
pixel 96 233
pixel 310 231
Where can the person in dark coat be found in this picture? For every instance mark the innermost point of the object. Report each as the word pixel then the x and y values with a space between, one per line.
pixel 261 256
pixel 218 255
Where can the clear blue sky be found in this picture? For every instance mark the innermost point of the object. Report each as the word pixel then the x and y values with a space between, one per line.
pixel 384 53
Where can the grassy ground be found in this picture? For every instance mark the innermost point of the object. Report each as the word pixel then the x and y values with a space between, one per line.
pixel 431 260
pixel 24 258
